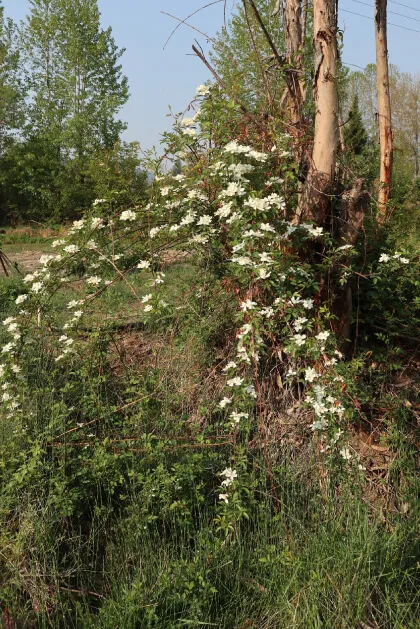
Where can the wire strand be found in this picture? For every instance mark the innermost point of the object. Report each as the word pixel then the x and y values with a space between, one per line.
pixel 353 64
pixel 408 17
pixel 404 5
pixel 367 17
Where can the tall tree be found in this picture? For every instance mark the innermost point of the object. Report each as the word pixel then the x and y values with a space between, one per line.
pixel 384 107
pixel 11 91
pixel 405 102
pixel 94 81
pixel 363 85
pixel 11 102
pixel 74 74
pixel 76 88
pixel 242 55
pixel 46 110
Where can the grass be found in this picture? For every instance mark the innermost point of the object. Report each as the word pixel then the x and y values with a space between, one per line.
pixel 30 235
pixel 334 568
pixel 18 247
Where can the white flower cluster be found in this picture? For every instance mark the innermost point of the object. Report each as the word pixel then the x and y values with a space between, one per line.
pixel 385 257
pixel 324 406
pixel 10 369
pixel 128 215
pixel 233 148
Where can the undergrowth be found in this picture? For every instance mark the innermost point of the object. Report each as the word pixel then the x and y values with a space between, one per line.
pixel 182 440
pixel 101 532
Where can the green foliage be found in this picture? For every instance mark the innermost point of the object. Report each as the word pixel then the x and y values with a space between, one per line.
pixel 10 81
pixel 32 180
pixel 118 169
pixel 74 90
pixel 10 288
pixel 355 136
pixel 390 301
pixel 238 58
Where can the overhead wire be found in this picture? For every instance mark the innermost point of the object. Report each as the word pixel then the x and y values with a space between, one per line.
pixel 353 64
pixel 408 17
pixel 368 17
pixel 404 5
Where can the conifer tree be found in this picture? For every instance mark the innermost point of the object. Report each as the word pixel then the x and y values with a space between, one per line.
pixel 355 136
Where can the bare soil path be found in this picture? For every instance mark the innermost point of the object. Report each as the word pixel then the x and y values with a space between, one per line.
pixel 27 260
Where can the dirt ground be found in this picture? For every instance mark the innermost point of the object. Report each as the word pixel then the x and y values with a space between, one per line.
pixel 27 260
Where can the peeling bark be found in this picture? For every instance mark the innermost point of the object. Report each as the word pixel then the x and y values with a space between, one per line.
pixel 320 180
pixel 325 88
pixel 294 35
pixel 384 108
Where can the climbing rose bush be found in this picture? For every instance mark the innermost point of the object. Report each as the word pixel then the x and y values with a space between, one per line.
pixel 231 209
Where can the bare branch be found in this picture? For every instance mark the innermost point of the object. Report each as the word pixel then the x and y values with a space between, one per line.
pixel 280 60
pixel 222 84
pixel 277 8
pixel 190 26
pixel 184 21
pixel 257 54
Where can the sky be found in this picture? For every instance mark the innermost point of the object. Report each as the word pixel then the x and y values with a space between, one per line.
pixel 161 77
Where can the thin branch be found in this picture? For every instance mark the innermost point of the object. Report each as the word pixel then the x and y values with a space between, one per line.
pixel 184 21
pixel 277 8
pixel 190 26
pixel 221 47
pixel 257 54
pixel 280 60
pixel 223 86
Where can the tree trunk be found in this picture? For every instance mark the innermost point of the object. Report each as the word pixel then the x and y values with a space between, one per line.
pixel 321 174
pixel 384 109
pixel 294 36
pixel 325 89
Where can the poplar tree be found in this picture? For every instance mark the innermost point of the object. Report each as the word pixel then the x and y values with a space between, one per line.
pixel 76 88
pixel 95 86
pixel 11 93
pixel 11 103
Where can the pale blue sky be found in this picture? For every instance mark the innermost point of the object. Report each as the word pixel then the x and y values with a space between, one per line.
pixel 159 78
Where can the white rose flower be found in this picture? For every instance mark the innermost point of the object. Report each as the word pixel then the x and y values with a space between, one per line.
pixel 225 401
pixel 235 382
pixel 202 90
pixel 94 280
pixel 128 215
